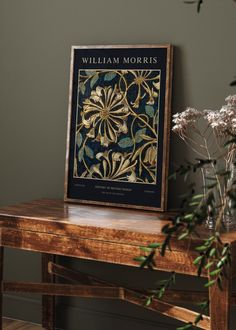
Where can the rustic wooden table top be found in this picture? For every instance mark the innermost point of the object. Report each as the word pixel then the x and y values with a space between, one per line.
pixel 94 232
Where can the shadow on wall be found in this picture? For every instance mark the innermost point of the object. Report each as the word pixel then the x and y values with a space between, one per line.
pixel 178 150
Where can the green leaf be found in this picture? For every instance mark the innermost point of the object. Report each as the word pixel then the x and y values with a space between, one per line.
pixel 209 283
pixel 194 204
pixel 125 143
pixel 90 72
pixel 93 80
pixel 189 216
pixel 204 305
pixel 154 245
pixel 198 319
pixel 109 76
pixel 146 137
pixel 161 292
pixel 185 327
pixel 211 238
pixel 82 87
pixel 199 196
pixel 222 261
pixel 145 249
pixel 209 264
pixel 225 250
pixel 183 236
pixel 149 301
pixel 140 258
pixel 89 152
pixel 201 248
pixel 201 265
pixel 215 272
pixel 79 139
pixel 138 136
pixel 197 260
pixel 150 111
pixel 81 154
pixel 212 252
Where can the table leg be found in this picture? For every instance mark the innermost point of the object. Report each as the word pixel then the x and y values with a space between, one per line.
pixel 48 302
pixel 220 305
pixel 1 285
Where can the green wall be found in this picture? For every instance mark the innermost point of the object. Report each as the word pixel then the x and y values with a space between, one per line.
pixel 35 41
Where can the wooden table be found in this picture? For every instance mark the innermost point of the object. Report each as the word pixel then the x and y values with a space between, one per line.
pixel 112 235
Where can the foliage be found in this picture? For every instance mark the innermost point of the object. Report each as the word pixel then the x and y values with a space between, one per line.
pixel 199 4
pixel 213 255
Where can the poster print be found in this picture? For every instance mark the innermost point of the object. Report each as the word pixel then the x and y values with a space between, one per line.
pixel 118 128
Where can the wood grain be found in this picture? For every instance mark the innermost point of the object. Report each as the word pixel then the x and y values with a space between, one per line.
pixel 98 222
pixel 176 312
pixel 87 291
pixel 1 282
pixel 220 303
pixel 48 302
pixel 173 296
pixel 105 251
pixel 9 324
pixel 74 276
pixel 69 290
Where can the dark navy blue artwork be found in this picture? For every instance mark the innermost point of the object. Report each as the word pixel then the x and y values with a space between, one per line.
pixel 118 119
pixel 117 125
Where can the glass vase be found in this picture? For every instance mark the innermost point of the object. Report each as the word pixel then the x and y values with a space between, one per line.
pixel 223 206
pixel 207 175
pixel 229 217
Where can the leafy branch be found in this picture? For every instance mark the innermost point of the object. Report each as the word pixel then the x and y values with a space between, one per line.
pixel 214 255
pixel 199 3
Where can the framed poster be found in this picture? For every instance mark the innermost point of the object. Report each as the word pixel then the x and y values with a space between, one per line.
pixel 118 125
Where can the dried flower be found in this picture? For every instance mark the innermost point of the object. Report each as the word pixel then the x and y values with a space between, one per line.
pixel 231 100
pixel 185 119
pixel 223 121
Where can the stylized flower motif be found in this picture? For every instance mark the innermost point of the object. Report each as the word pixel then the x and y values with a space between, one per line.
pixel 105 114
pixel 132 177
pixel 185 119
pixel 151 156
pixel 113 166
pixel 141 80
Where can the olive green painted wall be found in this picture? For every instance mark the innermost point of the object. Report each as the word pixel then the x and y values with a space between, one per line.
pixel 35 41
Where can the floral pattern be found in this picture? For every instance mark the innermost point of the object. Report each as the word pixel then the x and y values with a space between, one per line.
pixel 117 125
pixel 105 113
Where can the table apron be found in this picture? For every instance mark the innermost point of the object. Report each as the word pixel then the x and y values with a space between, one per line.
pixel 105 251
